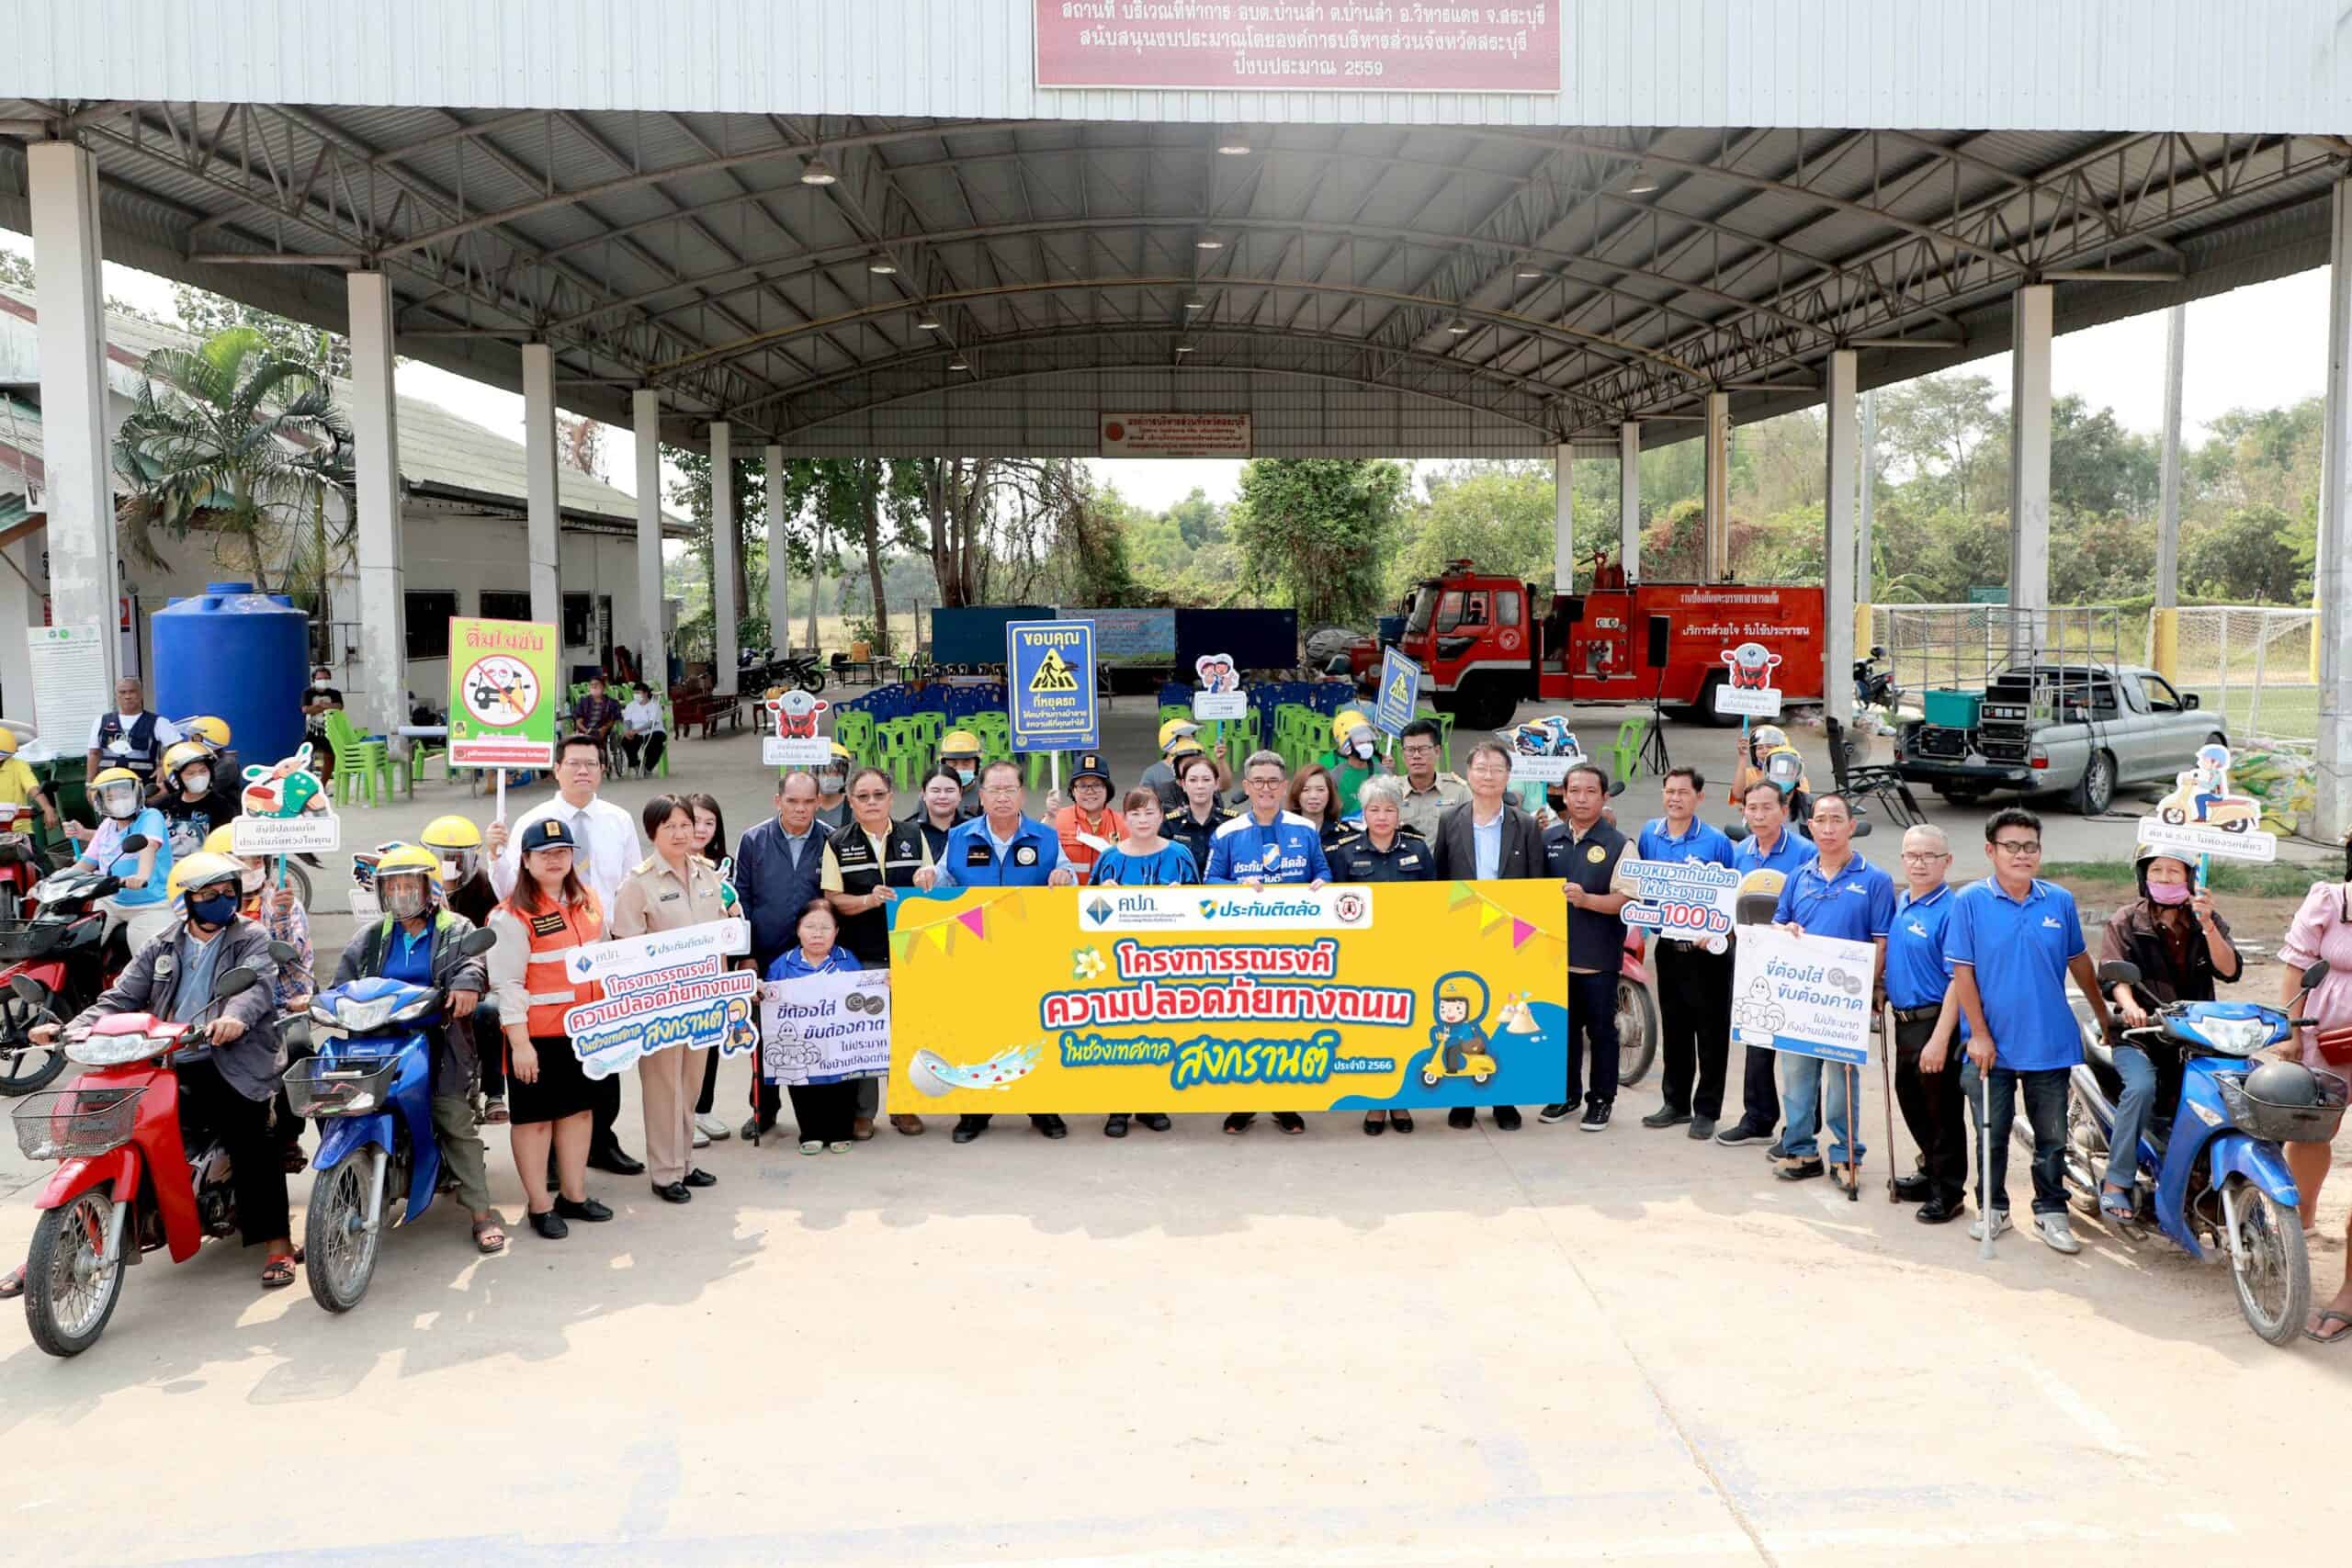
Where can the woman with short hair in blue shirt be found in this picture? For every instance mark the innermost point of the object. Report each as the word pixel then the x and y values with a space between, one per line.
pixel 1142 859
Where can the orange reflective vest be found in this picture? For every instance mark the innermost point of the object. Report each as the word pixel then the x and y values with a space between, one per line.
pixel 556 937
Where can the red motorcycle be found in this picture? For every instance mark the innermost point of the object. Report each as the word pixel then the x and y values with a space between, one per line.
pixel 66 959
pixel 1637 1014
pixel 21 862
pixel 127 1183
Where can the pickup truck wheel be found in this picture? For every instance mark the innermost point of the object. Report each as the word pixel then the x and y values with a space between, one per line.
pixel 1959 795
pixel 2095 791
pixel 1705 707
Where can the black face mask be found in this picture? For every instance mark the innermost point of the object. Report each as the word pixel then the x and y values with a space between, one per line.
pixel 215 910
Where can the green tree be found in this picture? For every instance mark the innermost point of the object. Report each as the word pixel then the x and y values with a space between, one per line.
pixel 207 314
pixel 2258 555
pixel 1198 519
pixel 1946 429
pixel 1315 531
pixel 2096 465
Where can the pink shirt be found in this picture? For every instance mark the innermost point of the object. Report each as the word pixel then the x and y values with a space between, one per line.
pixel 2320 932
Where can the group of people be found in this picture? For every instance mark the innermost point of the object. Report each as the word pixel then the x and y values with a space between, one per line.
pixel 1975 976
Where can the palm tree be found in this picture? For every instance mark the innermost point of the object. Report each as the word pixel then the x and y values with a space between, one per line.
pixel 232 437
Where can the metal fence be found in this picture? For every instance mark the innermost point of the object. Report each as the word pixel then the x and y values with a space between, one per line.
pixel 1960 647
pixel 2254 665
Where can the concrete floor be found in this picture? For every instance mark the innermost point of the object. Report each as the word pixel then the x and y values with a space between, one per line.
pixel 1185 1348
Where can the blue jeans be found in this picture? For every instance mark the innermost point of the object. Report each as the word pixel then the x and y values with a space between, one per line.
pixel 1801 1102
pixel 2139 1075
pixel 2045 1109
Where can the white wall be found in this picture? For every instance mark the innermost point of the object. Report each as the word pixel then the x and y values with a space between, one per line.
pixel 465 554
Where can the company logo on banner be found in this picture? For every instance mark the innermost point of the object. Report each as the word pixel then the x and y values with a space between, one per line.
pixel 1806 996
pixel 825 1028
pixel 1320 48
pixel 667 989
pixel 1198 998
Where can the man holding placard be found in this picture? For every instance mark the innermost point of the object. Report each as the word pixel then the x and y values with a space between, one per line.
pixel 1693 979
pixel 1764 860
pixel 1834 893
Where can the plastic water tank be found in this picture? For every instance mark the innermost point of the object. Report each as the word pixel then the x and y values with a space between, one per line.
pixel 240 655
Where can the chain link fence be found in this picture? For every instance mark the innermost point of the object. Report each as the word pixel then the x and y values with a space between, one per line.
pixel 2254 665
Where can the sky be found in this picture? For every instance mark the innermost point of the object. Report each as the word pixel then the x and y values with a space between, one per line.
pixel 2253 347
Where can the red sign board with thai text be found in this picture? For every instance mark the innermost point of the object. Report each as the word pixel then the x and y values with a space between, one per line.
pixel 1285 45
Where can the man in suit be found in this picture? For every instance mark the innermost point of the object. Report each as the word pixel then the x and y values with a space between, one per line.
pixel 1485 838
pixel 1583 850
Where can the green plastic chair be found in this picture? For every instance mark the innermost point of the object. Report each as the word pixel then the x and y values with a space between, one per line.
pixel 930 728
pixel 362 763
pixel 854 729
pixel 1444 722
pixel 1627 748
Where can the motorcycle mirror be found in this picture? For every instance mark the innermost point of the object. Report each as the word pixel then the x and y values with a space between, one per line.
pixel 233 982
pixel 477 942
pixel 284 952
pixel 1616 786
pixel 2311 976
pixel 2116 972
pixel 28 989
pixel 132 844
pixel 1862 827
pixel 1878 650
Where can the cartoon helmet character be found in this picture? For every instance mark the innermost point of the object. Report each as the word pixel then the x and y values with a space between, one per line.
pixel 1460 998
pixel 1216 671
pixel 1751 665
pixel 795 713
pixel 2214 759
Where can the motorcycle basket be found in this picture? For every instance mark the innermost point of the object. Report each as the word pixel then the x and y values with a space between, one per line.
pixel 323 1085
pixel 62 1123
pixel 2279 1124
pixel 21 940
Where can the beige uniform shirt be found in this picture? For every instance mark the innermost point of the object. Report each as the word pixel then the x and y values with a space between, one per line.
pixel 655 899
pixel 1424 807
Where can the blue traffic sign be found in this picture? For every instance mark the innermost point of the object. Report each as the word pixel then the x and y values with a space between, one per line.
pixel 1400 691
pixel 1050 685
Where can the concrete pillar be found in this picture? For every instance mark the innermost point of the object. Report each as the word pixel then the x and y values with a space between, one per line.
pixel 1718 486
pixel 2029 463
pixel 1563 518
pixel 1865 506
pixel 816 575
pixel 779 556
pixel 722 555
pixel 540 465
pixel 2332 574
pixel 376 468
pixel 82 581
pixel 1844 445
pixel 653 648
pixel 2164 625
pixel 1629 499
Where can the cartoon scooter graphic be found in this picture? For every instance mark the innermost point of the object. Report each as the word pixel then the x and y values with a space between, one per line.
pixel 1458 1045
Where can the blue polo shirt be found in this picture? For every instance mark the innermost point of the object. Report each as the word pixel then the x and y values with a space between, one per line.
pixel 2020 950
pixel 1791 852
pixel 409 958
pixel 972 859
pixel 1917 974
pixel 1700 845
pixel 1290 850
pixel 1856 904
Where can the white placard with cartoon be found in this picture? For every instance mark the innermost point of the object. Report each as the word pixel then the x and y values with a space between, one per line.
pixel 1747 690
pixel 1806 996
pixel 2202 816
pixel 286 810
pixel 791 740
pixel 825 1028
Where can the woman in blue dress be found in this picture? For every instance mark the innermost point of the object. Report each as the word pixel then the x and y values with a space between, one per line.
pixel 1142 859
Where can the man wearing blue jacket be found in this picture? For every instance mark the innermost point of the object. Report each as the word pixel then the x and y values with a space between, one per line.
pixel 1000 848
pixel 779 867
pixel 1267 844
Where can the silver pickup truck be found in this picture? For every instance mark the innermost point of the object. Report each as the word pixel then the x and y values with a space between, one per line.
pixel 2085 729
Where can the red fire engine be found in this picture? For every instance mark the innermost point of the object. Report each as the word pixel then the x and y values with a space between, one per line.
pixel 1486 644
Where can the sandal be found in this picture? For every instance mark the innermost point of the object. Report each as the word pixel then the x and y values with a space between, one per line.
pixel 490 1237
pixel 278 1271
pixel 12 1283
pixel 2344 1330
pixel 2115 1203
pixel 494 1113
pixel 1844 1178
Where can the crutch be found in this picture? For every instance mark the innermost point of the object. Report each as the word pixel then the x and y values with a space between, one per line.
pixel 1985 1169
pixel 1886 1078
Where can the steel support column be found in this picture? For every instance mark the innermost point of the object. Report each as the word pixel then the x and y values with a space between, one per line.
pixel 376 471
pixel 1563 518
pixel 1865 508
pixel 1843 445
pixel 543 508
pixel 2029 462
pixel 2163 627
pixel 779 557
pixel 654 643
pixel 1629 499
pixel 83 579
pixel 722 558
pixel 1718 458
pixel 2332 575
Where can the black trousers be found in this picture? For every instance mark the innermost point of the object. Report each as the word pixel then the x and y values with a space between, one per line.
pixel 609 1111
pixel 652 745
pixel 1759 1089
pixel 823 1110
pixel 1593 1028
pixel 1934 1109
pixel 1694 1018
pixel 208 1103
pixel 703 1102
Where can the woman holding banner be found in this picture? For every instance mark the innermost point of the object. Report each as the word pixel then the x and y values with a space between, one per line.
pixel 710 843
pixel 822 1110
pixel 1142 859
pixel 865 865
pixel 542 924
pixel 1387 851
pixel 671 888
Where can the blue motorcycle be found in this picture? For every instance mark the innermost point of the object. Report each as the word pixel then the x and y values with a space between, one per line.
pixel 371 1086
pixel 2211 1173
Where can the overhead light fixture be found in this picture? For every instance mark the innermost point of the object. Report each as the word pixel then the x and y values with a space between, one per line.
pixel 958 363
pixel 1183 348
pixel 882 265
pixel 1234 149
pixel 817 171
pixel 1529 271
pixel 1643 181
pixel 1458 327
pixel 1209 241
pixel 927 323
pixel 1196 303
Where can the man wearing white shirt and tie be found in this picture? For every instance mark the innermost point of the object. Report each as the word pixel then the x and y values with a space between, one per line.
pixel 608 847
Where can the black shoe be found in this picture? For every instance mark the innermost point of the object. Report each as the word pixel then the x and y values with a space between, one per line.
pixel 755 1128
pixel 1051 1126
pixel 1115 1126
pixel 1239 1121
pixel 674 1193
pixel 1559 1112
pixel 550 1224
pixel 1373 1129
pixel 1742 1132
pixel 1400 1122
pixel 617 1160
pixel 1912 1189
pixel 967 1128
pixel 1461 1116
pixel 1798 1169
pixel 1596 1117
pixel 696 1177
pixel 1155 1121
pixel 1507 1118
pixel 1703 1130
pixel 1290 1121
pixel 1937 1211
pixel 1665 1116
pixel 586 1209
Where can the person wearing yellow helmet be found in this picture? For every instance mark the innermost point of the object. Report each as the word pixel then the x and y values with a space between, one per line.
pixel 1354 756
pixel 143 904
pixel 465 890
pixel 833 788
pixel 192 803
pixel 960 753
pixel 19 786
pixel 127 734
pixel 415 942
pixel 1179 739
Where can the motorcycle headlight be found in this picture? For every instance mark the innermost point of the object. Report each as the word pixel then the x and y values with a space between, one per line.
pixel 2235 1036
pixel 416 1009
pixel 114 1050
pixel 360 1017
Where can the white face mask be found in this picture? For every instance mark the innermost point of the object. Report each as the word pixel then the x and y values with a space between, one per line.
pixel 122 802
pixel 196 780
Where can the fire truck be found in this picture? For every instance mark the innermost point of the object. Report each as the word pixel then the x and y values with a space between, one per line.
pixel 1485 643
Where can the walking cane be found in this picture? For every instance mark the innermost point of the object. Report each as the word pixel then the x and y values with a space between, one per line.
pixel 1985 1169
pixel 1854 1131
pixel 1886 1078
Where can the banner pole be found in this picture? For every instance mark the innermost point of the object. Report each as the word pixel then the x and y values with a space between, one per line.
pixel 1853 1133
pixel 1886 1079
pixel 501 796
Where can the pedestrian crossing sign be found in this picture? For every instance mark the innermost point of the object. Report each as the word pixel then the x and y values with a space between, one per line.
pixel 1051 668
pixel 1053 675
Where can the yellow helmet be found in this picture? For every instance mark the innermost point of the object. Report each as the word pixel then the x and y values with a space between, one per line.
pixel 451 832
pixel 839 750
pixel 8 741
pixel 114 777
pixel 403 859
pixel 959 743
pixel 108 784
pixel 1343 721
pixel 180 753
pixel 203 870
pixel 1467 989
pixel 214 731
pixel 220 841
pixel 1176 729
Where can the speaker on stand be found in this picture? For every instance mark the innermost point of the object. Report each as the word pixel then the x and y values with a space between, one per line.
pixel 1652 753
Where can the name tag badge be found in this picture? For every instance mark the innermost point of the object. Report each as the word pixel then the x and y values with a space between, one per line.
pixel 1025 855
pixel 671 898
pixel 976 854
pixel 546 925
pixel 1408 862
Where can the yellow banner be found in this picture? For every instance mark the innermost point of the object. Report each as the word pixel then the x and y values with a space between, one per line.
pixel 1215 998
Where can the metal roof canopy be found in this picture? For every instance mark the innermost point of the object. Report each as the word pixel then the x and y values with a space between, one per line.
pixel 1361 290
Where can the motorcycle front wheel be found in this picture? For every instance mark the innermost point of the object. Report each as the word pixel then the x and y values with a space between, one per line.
pixel 2268 1265
pixel 1637 1031
pixel 69 1288
pixel 25 1066
pixel 339 1252
pixel 813 680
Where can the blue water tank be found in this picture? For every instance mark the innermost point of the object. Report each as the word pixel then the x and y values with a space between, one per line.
pixel 240 656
